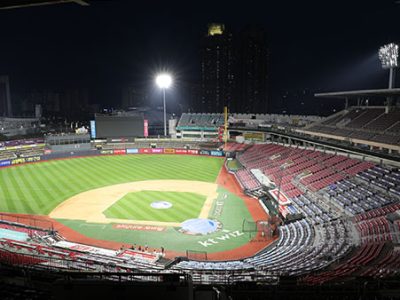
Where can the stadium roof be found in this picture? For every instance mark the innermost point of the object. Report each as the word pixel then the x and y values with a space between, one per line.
pixel 9 4
pixel 360 93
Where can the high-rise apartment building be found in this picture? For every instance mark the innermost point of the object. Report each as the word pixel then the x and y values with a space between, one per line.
pixel 5 98
pixel 217 69
pixel 252 75
pixel 234 70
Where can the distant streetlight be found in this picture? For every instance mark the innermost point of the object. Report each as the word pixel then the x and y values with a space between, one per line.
pixel 164 81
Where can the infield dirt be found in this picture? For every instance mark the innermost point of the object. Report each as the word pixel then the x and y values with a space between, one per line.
pixel 90 205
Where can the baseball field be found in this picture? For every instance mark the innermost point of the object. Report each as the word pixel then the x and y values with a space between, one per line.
pixel 170 201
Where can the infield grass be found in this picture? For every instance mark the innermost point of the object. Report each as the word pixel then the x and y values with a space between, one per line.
pixel 137 206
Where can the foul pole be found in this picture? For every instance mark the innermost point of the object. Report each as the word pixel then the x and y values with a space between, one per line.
pixel 225 125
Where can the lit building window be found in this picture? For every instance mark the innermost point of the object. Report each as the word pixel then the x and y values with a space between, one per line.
pixel 216 29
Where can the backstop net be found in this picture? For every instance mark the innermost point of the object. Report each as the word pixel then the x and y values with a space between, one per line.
pixel 249 226
pixel 260 228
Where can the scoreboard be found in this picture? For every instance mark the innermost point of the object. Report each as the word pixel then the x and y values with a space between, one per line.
pixel 114 126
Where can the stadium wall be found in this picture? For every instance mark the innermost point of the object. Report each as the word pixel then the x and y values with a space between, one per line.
pixel 128 151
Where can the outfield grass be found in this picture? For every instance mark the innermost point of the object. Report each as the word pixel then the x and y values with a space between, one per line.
pixel 39 188
pixel 137 206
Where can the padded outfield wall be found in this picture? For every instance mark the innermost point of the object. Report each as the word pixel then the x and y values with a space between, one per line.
pixel 71 154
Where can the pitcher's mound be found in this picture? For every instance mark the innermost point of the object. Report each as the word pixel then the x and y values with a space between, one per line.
pixel 161 205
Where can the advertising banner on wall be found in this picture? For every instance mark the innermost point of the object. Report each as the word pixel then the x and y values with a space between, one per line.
pixel 195 152
pixel 24 160
pixel 146 128
pixel 157 150
pixel 204 152
pixel 119 151
pixel 4 163
pixel 32 159
pixel 18 161
pixel 169 151
pixel 93 129
pixel 180 151
pixel 132 151
pixel 106 152
pixel 216 153
pixel 145 150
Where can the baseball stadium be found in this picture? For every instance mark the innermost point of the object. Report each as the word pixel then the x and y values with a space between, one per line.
pixel 211 201
pixel 176 201
pixel 253 202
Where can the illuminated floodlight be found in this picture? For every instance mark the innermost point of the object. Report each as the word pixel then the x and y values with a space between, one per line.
pixel 164 81
pixel 388 55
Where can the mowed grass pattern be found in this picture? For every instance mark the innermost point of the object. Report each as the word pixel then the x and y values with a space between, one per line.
pixel 137 206
pixel 39 188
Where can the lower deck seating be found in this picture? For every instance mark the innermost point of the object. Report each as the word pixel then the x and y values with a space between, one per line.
pixel 361 259
pixel 247 180
pixel 388 266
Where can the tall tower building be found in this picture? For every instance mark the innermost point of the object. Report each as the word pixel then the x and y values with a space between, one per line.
pixel 217 69
pixel 252 74
pixel 234 70
pixel 5 98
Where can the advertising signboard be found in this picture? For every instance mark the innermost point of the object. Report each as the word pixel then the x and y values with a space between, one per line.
pixel 146 128
pixel 93 129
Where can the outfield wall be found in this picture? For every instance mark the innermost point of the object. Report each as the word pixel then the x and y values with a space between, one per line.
pixel 129 151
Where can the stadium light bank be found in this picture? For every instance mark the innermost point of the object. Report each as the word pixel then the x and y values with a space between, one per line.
pixel 388 55
pixel 164 81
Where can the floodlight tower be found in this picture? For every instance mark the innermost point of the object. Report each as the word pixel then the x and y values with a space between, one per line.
pixel 164 81
pixel 388 55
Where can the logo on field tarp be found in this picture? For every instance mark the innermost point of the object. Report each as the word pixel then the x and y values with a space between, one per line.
pixel 161 205
pixel 200 226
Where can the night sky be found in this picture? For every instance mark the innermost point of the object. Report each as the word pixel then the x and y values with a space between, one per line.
pixel 313 45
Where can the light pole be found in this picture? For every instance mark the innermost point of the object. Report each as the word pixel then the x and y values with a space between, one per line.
pixel 164 81
pixel 388 56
